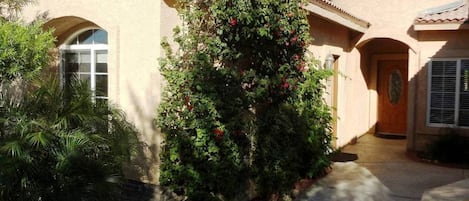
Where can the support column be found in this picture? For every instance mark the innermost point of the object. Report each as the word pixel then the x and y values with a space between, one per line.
pixel 414 67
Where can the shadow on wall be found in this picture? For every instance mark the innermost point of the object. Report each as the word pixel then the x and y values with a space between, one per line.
pixel 144 165
pixel 325 33
pixel 143 172
pixel 374 47
pixel 456 46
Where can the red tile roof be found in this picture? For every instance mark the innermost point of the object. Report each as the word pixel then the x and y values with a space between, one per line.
pixel 329 5
pixel 456 12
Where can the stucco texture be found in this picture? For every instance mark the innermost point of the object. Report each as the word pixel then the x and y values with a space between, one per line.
pixel 135 30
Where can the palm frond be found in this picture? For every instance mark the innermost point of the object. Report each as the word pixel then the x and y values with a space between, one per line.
pixel 13 148
pixel 38 139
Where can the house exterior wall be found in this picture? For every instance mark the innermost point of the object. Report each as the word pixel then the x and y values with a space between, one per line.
pixel 395 21
pixel 135 30
pixel 391 24
pixel 434 45
pixel 331 38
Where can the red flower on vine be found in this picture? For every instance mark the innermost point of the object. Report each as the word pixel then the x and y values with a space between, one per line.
pixel 233 22
pixel 301 66
pixel 218 134
pixel 296 57
pixel 218 131
pixel 294 39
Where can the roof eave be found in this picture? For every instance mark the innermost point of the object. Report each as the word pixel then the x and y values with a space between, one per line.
pixel 338 17
pixel 440 26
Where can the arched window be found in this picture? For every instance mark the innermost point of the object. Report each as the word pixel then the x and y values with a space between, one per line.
pixel 84 56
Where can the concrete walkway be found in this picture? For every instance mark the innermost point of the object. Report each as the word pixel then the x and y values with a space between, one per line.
pixel 406 178
pixel 389 174
pixel 347 181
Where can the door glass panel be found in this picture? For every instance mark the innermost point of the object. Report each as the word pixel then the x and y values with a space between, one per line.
pixel 395 87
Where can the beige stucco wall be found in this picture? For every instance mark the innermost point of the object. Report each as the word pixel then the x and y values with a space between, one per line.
pixel 435 44
pixel 357 98
pixel 135 30
pixel 392 19
pixel 331 38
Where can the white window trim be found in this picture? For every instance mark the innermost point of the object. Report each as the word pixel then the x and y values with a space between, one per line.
pixel 457 94
pixel 93 48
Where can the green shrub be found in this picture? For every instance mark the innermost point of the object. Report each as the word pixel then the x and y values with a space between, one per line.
pixel 242 108
pixel 56 143
pixel 52 149
pixel 450 148
pixel 24 50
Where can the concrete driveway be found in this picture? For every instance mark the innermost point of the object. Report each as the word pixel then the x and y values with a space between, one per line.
pixel 407 179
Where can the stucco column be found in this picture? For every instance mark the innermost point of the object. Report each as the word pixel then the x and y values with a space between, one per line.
pixel 414 67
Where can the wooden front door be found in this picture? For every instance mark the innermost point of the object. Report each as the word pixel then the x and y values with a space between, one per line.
pixel 392 97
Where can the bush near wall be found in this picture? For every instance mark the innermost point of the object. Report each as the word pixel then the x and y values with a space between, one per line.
pixel 56 143
pixel 23 50
pixel 450 148
pixel 242 108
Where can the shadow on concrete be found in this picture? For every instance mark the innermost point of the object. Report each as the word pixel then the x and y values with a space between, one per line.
pixel 343 157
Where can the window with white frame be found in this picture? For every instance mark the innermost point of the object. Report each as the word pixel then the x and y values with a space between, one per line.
pixel 85 57
pixel 448 94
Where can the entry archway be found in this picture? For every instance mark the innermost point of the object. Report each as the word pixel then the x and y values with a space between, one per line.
pixel 384 64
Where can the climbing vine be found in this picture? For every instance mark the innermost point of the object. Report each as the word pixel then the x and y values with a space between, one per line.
pixel 242 109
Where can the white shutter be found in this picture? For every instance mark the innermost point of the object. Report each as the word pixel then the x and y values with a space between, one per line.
pixel 464 94
pixel 442 92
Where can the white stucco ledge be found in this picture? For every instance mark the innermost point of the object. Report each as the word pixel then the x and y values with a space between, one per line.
pixel 458 191
pixel 347 181
pixel 440 27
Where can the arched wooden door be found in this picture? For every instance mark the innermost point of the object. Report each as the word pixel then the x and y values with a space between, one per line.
pixel 392 97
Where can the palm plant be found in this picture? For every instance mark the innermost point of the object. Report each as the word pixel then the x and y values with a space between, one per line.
pixel 56 143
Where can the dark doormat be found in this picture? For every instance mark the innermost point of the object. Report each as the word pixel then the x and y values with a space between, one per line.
pixel 343 157
pixel 390 136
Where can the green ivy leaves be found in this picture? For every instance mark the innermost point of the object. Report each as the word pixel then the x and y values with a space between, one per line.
pixel 242 102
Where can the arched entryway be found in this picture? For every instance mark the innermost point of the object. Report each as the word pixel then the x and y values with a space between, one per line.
pixel 384 64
